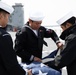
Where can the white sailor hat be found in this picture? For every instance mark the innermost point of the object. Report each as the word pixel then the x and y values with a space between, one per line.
pixel 65 18
pixel 36 16
pixel 6 7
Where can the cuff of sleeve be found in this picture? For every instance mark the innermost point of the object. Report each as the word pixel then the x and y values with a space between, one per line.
pixel 32 57
pixel 57 41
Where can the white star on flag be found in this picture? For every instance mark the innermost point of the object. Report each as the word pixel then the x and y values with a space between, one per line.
pixel 42 65
pixel 40 73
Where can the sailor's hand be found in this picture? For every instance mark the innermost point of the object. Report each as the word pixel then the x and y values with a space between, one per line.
pixel 29 72
pixel 60 45
pixel 37 59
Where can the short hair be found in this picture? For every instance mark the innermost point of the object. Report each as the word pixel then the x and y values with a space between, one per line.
pixel 1 10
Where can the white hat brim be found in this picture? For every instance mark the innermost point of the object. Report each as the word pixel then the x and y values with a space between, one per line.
pixel 65 18
pixel 6 7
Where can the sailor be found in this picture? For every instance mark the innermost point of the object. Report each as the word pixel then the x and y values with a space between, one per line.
pixel 68 54
pixel 8 61
pixel 30 39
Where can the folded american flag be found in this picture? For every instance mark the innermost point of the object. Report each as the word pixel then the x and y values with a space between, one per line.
pixel 40 69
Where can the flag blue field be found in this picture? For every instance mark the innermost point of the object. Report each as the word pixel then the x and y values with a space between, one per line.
pixel 40 69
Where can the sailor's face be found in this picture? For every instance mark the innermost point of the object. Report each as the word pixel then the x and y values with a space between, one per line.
pixel 36 24
pixel 4 19
pixel 66 26
pixel 63 27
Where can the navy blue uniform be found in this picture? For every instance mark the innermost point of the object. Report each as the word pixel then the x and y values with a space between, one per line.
pixel 28 44
pixel 8 61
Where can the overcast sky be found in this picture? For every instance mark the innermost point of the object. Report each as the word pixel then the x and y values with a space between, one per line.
pixel 53 9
